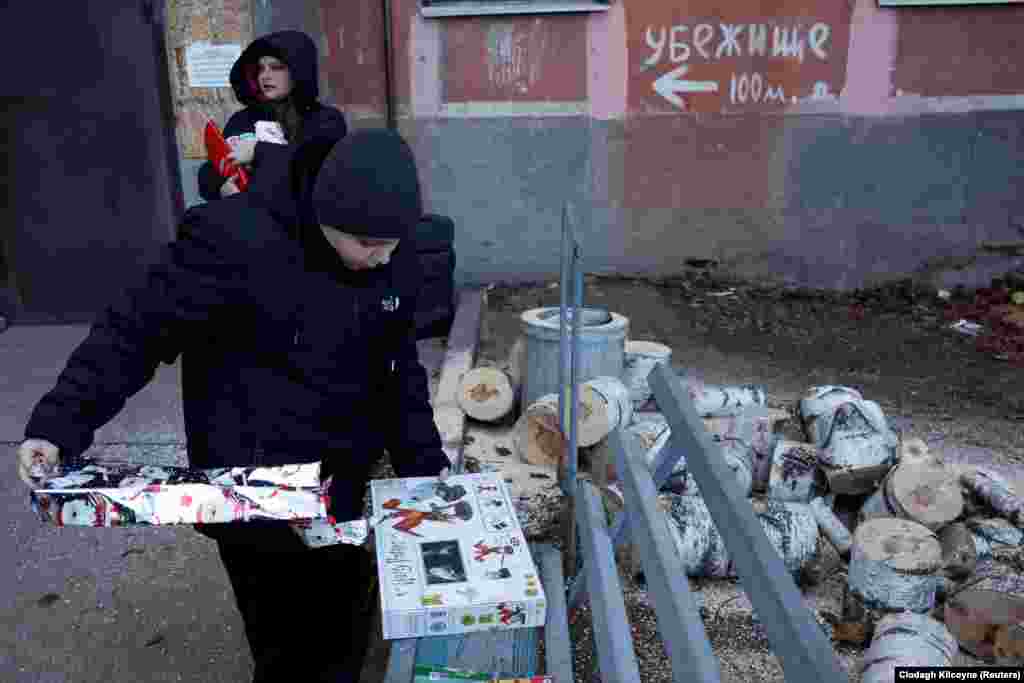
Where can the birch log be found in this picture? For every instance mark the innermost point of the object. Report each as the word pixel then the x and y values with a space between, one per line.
pixel 714 400
pixel 959 555
pixel 831 526
pixel 794 474
pixel 926 492
pixel 756 426
pixel 538 436
pixel 985 610
pixel 893 565
pixel 487 394
pixel 859 447
pixel 995 492
pixel 791 528
pixel 907 639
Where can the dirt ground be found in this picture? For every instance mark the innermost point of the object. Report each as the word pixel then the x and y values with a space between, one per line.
pixel 894 345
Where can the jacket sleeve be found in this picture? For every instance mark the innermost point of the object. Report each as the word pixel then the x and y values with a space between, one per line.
pixel 414 443
pixel 210 181
pixel 191 283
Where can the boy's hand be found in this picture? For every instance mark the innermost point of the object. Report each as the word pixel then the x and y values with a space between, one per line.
pixel 37 461
pixel 229 187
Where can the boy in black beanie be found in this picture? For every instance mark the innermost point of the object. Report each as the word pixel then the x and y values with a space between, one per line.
pixel 295 315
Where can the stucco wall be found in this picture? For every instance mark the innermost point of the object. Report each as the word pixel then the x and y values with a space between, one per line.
pixel 840 143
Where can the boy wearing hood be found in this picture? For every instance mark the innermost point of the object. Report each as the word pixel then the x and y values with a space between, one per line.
pixel 276 79
pixel 296 319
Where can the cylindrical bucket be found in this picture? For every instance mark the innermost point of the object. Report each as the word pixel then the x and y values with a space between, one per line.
pixel 907 639
pixel 640 359
pixel 791 528
pixel 602 341
pixel 615 395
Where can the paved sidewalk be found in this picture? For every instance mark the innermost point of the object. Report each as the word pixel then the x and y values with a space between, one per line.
pixel 111 605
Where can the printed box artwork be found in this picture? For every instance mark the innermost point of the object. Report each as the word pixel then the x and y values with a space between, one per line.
pixel 432 674
pixel 113 495
pixel 452 557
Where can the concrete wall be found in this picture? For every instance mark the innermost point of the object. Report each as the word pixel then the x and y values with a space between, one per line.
pixel 830 144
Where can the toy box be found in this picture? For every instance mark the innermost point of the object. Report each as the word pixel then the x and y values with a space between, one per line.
pixel 111 495
pixel 452 557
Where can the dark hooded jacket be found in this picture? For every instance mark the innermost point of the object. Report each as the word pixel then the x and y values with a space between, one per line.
pixel 298 51
pixel 288 357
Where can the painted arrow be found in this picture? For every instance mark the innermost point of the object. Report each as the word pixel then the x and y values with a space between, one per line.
pixel 668 84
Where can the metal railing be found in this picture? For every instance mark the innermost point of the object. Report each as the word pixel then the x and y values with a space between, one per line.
pixel 804 651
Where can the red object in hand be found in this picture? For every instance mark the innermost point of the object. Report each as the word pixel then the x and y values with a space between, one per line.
pixel 217 150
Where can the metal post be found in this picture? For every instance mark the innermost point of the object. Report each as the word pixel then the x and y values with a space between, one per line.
pixel 577 293
pixel 563 338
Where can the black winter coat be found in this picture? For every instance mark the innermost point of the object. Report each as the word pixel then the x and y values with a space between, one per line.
pixel 289 357
pixel 298 51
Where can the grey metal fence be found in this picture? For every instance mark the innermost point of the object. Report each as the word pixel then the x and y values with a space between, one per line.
pixel 800 644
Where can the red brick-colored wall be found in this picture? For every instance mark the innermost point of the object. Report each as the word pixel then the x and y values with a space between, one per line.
pixel 522 58
pixel 353 54
pixel 960 51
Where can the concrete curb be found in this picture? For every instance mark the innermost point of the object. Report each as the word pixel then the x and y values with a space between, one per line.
pixel 458 359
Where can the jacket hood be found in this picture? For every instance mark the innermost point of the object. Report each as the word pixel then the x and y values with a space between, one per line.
pixel 294 48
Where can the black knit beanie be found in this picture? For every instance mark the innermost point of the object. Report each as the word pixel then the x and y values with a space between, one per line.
pixel 368 186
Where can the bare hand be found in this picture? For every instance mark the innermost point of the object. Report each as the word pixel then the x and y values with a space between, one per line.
pixel 37 461
pixel 229 187
pixel 242 151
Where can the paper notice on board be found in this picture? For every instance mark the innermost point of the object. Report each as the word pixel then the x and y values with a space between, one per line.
pixel 209 66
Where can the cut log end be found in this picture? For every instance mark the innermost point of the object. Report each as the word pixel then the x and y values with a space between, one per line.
pixel 486 394
pixel 926 492
pixel 893 564
pixel 539 439
pixel 984 613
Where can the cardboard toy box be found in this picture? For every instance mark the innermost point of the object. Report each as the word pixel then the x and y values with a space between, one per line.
pixel 452 557
pixel 111 495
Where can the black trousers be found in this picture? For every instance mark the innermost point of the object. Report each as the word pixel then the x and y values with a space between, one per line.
pixel 306 611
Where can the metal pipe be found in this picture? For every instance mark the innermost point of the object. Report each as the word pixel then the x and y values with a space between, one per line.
pixel 563 337
pixel 577 293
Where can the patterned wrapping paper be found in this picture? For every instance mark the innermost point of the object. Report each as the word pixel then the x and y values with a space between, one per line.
pixel 114 495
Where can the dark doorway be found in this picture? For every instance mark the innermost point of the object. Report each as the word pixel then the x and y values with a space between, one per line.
pixel 91 183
